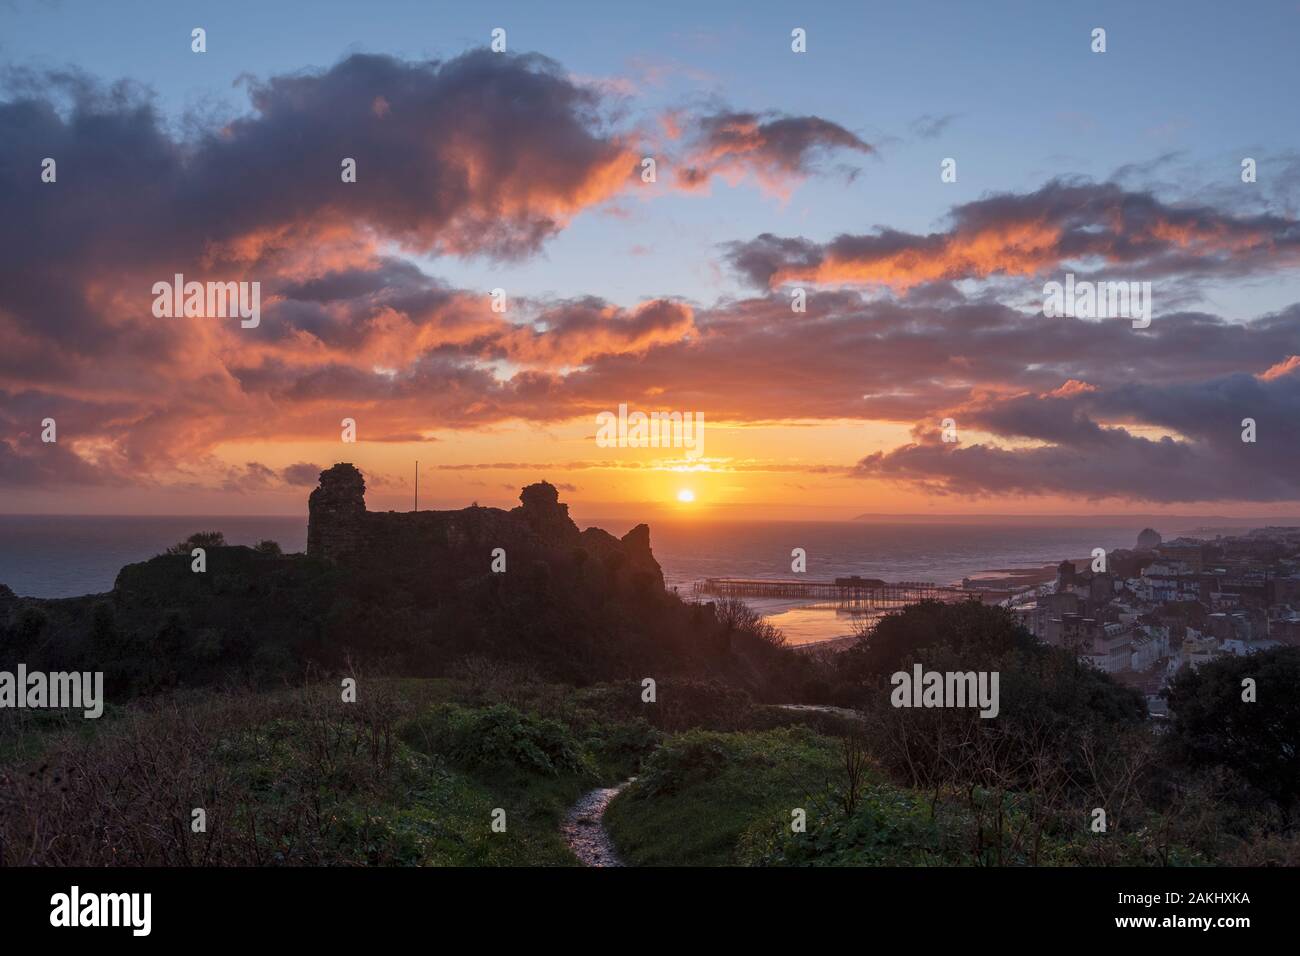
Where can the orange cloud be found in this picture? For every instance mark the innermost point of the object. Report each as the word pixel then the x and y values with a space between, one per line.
pixel 1032 233
pixel 778 151
pixel 1288 366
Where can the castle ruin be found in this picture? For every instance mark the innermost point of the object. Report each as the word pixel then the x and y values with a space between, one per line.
pixel 342 531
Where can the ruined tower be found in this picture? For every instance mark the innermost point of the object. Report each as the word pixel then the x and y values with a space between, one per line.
pixel 336 511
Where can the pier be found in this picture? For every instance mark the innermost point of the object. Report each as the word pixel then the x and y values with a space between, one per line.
pixel 852 592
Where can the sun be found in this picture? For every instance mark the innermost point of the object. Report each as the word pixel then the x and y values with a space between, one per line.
pixel 686 496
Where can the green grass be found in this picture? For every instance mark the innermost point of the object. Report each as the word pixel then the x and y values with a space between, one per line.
pixel 453 765
pixel 708 798
pixel 702 790
pixel 412 773
pixel 726 799
pixel 889 827
pixel 409 775
pixel 423 812
pixel 26 734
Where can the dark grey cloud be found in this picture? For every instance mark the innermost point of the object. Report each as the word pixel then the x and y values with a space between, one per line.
pixel 302 473
pixel 1085 444
pixel 930 126
pixel 775 148
pixel 1024 234
pixel 482 154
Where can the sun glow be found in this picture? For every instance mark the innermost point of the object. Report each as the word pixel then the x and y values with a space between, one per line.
pixel 686 496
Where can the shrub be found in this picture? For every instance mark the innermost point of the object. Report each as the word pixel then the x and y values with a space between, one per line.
pixel 680 703
pixel 685 759
pixel 199 539
pixel 500 734
pixel 695 703
pixel 274 772
pixel 1259 741
pixel 272 662
pixel 32 622
pixel 624 744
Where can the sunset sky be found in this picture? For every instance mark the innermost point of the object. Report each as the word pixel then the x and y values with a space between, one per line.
pixel 522 171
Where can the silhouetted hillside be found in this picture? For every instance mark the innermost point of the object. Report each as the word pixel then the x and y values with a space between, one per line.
pixel 411 593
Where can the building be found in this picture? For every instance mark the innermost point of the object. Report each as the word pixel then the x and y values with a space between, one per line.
pixel 1150 646
pixel 1148 540
pixel 1108 648
pixel 1186 551
pixel 1033 617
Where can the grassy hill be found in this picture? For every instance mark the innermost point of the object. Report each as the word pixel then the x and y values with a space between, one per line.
pixel 417 770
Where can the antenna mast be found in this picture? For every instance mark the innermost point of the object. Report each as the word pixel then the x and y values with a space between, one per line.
pixel 417 484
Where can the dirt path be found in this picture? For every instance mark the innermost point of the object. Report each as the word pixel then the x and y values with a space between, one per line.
pixel 825 709
pixel 585 832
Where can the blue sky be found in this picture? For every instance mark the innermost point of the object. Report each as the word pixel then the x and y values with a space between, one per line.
pixel 1026 100
pixel 925 298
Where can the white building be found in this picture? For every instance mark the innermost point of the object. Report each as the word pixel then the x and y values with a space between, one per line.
pixel 1150 644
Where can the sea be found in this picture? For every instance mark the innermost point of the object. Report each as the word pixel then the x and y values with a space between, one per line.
pixel 68 555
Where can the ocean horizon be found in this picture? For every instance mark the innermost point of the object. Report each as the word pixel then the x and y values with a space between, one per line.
pixel 54 556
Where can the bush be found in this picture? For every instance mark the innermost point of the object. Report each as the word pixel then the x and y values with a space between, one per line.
pixel 702 790
pixel 816 691
pixel 695 703
pixel 199 539
pixel 889 827
pixel 624 744
pixel 1260 740
pixel 680 703
pixel 684 760
pixel 272 662
pixel 32 622
pixel 273 771
pixel 501 735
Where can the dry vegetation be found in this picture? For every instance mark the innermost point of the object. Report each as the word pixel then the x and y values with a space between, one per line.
pixel 266 768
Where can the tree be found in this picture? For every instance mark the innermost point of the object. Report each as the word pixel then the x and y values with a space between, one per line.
pixel 853 760
pixel 977 633
pixel 1211 725
pixel 199 539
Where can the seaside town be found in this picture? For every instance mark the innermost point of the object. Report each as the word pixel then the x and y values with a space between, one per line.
pixel 1146 613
